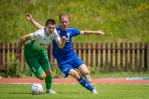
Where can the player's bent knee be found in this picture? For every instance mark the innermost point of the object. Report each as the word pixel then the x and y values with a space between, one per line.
pixel 42 76
pixel 86 72
pixel 74 74
pixel 48 72
pixel 83 69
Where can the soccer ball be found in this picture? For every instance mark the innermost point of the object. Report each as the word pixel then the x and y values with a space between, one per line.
pixel 36 89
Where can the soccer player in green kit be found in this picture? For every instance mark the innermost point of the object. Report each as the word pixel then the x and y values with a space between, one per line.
pixel 35 53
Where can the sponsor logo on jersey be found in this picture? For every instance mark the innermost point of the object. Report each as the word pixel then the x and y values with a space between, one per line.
pixel 68 37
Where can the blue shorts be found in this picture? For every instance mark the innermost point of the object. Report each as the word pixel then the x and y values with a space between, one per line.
pixel 75 63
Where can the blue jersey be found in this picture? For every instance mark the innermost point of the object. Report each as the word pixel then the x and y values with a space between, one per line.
pixel 66 53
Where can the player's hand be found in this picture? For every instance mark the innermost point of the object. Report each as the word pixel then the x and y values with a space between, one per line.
pixel 64 40
pixel 17 55
pixel 99 32
pixel 29 16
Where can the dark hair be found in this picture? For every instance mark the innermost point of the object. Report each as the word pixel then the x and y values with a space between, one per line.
pixel 50 21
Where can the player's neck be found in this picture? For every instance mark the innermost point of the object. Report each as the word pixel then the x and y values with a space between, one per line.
pixel 63 29
pixel 48 33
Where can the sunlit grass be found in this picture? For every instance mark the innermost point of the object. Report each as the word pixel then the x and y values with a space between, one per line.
pixel 121 20
pixel 75 91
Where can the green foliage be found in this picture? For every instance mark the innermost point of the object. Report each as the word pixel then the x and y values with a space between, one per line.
pixel 56 73
pixel 75 91
pixel 122 20
pixel 15 70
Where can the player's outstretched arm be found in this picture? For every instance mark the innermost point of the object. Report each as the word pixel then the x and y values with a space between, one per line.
pixel 20 44
pixel 92 32
pixel 36 24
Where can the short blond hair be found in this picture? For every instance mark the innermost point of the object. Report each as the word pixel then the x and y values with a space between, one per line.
pixel 64 14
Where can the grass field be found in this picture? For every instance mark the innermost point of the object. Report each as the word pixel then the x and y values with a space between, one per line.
pixel 121 20
pixel 75 91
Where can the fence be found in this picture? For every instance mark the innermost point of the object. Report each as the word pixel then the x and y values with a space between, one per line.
pixel 98 56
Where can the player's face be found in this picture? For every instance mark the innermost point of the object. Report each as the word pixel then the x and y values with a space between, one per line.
pixel 64 22
pixel 50 28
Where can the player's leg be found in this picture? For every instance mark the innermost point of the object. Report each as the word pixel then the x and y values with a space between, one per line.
pixel 67 69
pixel 35 67
pixel 44 62
pixel 48 81
pixel 31 57
pixel 82 81
pixel 85 72
pixel 78 63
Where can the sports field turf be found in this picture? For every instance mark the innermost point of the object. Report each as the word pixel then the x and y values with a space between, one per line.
pixel 75 91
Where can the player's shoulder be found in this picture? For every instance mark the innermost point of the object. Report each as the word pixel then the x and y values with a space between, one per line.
pixel 40 32
pixel 55 32
pixel 42 29
pixel 70 27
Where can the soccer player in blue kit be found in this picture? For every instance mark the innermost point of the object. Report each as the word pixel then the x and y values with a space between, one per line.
pixel 66 58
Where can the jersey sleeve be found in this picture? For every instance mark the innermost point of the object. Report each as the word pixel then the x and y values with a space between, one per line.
pixel 36 35
pixel 75 32
pixel 56 35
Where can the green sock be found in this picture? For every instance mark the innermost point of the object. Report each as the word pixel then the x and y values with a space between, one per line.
pixel 48 81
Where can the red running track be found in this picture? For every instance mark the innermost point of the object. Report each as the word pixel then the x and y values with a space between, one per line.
pixel 72 81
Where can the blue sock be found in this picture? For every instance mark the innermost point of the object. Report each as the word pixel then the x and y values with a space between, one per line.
pixel 85 84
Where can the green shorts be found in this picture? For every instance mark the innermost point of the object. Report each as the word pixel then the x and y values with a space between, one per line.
pixel 38 62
